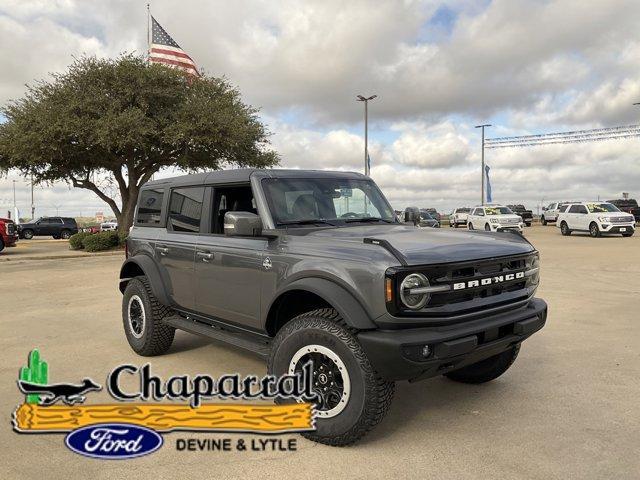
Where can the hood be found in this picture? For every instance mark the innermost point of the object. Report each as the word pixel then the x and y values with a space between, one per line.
pixel 422 246
pixel 6 220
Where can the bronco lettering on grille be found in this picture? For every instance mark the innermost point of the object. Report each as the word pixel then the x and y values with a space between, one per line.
pixel 488 281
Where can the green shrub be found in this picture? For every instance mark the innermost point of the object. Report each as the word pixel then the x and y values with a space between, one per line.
pixel 101 241
pixel 75 241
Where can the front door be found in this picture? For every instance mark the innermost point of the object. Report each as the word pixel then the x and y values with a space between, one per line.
pixel 228 270
pixel 176 245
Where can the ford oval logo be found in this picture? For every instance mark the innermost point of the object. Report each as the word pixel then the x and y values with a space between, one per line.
pixel 113 441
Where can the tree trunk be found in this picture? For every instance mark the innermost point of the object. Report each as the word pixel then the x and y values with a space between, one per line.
pixel 125 220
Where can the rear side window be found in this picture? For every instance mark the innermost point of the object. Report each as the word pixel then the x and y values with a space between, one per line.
pixel 185 209
pixel 149 207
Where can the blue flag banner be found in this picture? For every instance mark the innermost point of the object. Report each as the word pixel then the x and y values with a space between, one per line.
pixel 368 162
pixel 486 171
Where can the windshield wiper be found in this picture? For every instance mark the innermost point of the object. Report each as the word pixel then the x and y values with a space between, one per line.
pixel 308 221
pixel 368 219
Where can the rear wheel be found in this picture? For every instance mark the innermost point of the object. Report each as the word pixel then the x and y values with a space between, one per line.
pixel 594 231
pixel 65 234
pixel 564 229
pixel 142 316
pixel 486 370
pixel 27 234
pixel 351 397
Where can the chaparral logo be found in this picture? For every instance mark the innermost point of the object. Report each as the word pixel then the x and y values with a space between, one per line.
pixel 128 429
pixel 488 281
pixel 113 441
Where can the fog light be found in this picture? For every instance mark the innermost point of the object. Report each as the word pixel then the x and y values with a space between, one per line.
pixel 426 351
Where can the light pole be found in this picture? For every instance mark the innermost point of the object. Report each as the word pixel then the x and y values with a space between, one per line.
pixel 33 206
pixel 482 171
pixel 360 98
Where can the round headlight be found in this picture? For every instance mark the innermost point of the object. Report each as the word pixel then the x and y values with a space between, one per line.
pixel 414 301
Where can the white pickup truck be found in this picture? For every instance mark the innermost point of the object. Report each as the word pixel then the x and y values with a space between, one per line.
pixel 459 217
pixel 550 213
pixel 596 218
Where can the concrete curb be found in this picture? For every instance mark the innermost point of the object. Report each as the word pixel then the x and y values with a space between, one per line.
pixel 63 257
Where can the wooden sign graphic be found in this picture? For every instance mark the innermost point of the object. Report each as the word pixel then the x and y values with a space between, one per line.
pixel 266 418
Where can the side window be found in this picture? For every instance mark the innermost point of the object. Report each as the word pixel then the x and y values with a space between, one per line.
pixel 230 199
pixel 575 209
pixel 185 209
pixel 582 209
pixel 149 207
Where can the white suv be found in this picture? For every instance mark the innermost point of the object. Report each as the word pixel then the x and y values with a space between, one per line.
pixel 494 218
pixel 459 217
pixel 550 213
pixel 596 218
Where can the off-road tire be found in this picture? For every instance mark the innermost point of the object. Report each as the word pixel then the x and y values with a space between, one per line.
pixel 156 336
pixel 594 231
pixel 370 396
pixel 65 234
pixel 27 234
pixel 487 369
pixel 543 220
pixel 564 229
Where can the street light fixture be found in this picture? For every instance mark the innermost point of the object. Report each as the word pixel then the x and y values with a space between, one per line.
pixel 361 98
pixel 482 171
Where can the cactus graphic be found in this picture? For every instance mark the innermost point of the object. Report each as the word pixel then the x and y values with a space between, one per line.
pixel 36 372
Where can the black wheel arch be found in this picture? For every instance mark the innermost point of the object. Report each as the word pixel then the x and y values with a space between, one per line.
pixel 144 265
pixel 312 293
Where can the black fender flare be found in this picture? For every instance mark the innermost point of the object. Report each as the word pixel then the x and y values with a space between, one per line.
pixel 350 309
pixel 150 270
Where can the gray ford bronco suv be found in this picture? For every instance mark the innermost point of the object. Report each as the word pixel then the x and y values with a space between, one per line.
pixel 302 266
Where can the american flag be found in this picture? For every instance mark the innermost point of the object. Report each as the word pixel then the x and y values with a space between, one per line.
pixel 165 50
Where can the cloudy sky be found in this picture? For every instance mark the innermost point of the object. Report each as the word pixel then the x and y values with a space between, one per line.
pixel 438 68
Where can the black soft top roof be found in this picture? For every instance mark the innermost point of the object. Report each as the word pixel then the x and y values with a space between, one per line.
pixel 244 175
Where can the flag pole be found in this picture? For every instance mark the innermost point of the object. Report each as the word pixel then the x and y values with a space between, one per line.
pixel 148 33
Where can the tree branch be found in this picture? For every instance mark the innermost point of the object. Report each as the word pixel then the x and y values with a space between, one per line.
pixel 89 185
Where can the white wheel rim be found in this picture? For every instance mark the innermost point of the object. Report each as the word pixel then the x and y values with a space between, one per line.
pixel 137 321
pixel 341 367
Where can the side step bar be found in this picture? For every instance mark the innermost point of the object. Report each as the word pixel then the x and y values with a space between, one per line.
pixel 254 343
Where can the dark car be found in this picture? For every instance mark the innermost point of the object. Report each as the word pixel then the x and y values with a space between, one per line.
pixel 313 267
pixel 56 227
pixel 629 205
pixel 527 215
pixel 433 213
pixel 419 218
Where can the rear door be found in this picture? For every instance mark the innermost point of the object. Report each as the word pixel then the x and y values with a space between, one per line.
pixel 228 270
pixel 176 244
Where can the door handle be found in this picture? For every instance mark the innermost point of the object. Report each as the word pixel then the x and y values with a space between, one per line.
pixel 162 249
pixel 205 256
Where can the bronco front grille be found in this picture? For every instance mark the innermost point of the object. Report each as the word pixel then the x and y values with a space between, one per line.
pixel 460 288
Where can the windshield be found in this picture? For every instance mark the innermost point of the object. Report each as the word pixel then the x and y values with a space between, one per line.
pixel 463 210
pixel 497 210
pixel 601 207
pixel 332 201
pixel 424 215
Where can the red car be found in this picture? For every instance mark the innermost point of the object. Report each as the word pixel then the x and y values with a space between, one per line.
pixel 8 233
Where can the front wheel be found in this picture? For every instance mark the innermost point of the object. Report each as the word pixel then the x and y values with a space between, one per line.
pixel 142 316
pixel 486 370
pixel 594 231
pixel 351 397
pixel 470 226
pixel 1 244
pixel 564 229
pixel 27 234
pixel 543 221
pixel 487 228
pixel 629 234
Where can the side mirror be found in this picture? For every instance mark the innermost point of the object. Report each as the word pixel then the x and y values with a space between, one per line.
pixel 242 224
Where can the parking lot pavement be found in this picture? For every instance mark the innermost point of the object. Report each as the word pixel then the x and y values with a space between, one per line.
pixel 45 248
pixel 568 408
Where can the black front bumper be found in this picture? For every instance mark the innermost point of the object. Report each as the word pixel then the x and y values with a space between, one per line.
pixel 398 354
